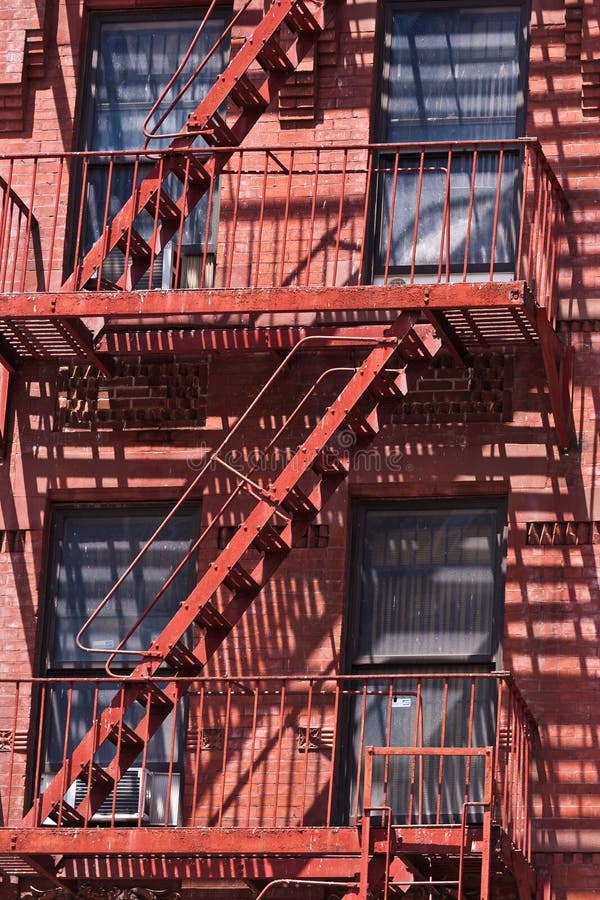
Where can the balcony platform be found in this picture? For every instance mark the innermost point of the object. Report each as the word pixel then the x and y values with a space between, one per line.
pixel 259 855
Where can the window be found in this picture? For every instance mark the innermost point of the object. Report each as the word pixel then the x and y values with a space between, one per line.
pixel 426 598
pixel 448 73
pixel 91 546
pixel 131 62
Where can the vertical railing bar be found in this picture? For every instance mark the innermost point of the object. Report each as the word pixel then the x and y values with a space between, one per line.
pixel 306 751
pixel 534 241
pixel 94 718
pixel 28 222
pixel 155 218
pixel 225 750
pixel 39 752
pixel 64 785
pixel 390 233
pixel 234 220
pixel 438 810
pixel 550 247
pixel 541 262
pixel 365 217
pixel 525 187
pixel 178 242
pixel 363 712
pixel 421 759
pixel 313 210
pixel 413 257
pixel 207 229
pixel 13 271
pixel 279 752
pixel 117 761
pixel 11 760
pixel 388 738
pixel 5 247
pixel 496 212
pixel 261 220
pixel 445 214
pixel 171 760
pixel 338 236
pixel 78 233
pixel 527 801
pixel 470 214
pixel 286 219
pixel 57 203
pixel 196 784
pixel 498 775
pixel 554 243
pixel 470 738
pixel 126 269
pixel 252 752
pixel 105 216
pixel 336 710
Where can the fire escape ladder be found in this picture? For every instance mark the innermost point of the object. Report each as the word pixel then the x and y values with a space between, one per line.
pixel 197 171
pixel 280 512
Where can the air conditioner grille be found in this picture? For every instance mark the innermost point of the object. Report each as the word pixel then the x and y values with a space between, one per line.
pixel 131 802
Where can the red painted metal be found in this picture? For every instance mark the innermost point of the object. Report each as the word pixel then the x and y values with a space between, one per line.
pixel 288 498
pixel 261 48
pixel 316 196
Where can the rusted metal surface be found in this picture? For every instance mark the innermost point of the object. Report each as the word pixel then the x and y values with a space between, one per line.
pixel 315 218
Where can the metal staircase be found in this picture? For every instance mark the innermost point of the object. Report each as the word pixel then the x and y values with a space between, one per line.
pixel 229 585
pixel 238 83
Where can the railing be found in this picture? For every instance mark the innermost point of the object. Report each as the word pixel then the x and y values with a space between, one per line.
pixel 280 752
pixel 302 216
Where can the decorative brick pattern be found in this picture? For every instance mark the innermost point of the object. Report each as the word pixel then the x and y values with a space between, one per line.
pixel 444 392
pixel 137 396
pixel 298 97
pixel 210 738
pixel 573 26
pixel 319 738
pixel 562 534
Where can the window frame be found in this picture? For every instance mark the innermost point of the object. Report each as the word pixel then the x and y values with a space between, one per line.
pixel 379 123
pixel 164 274
pixel 405 662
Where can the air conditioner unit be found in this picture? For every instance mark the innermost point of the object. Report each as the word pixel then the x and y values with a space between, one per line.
pixel 134 794
pixel 152 798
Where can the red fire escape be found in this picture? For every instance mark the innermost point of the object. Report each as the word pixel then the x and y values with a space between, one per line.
pixel 484 850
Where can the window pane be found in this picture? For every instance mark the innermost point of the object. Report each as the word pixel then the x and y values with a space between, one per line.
pixel 427 584
pixel 93 549
pixel 136 60
pixel 453 75
pixel 449 230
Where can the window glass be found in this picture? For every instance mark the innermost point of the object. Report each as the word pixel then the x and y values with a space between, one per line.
pixel 427 584
pixel 448 74
pixel 135 62
pixel 425 616
pixel 92 549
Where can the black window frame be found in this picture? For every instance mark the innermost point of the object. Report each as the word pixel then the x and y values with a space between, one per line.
pixel 86 104
pixel 404 664
pixel 379 122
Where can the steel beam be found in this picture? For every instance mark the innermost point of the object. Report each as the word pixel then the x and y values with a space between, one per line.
pixel 228 841
pixel 261 300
